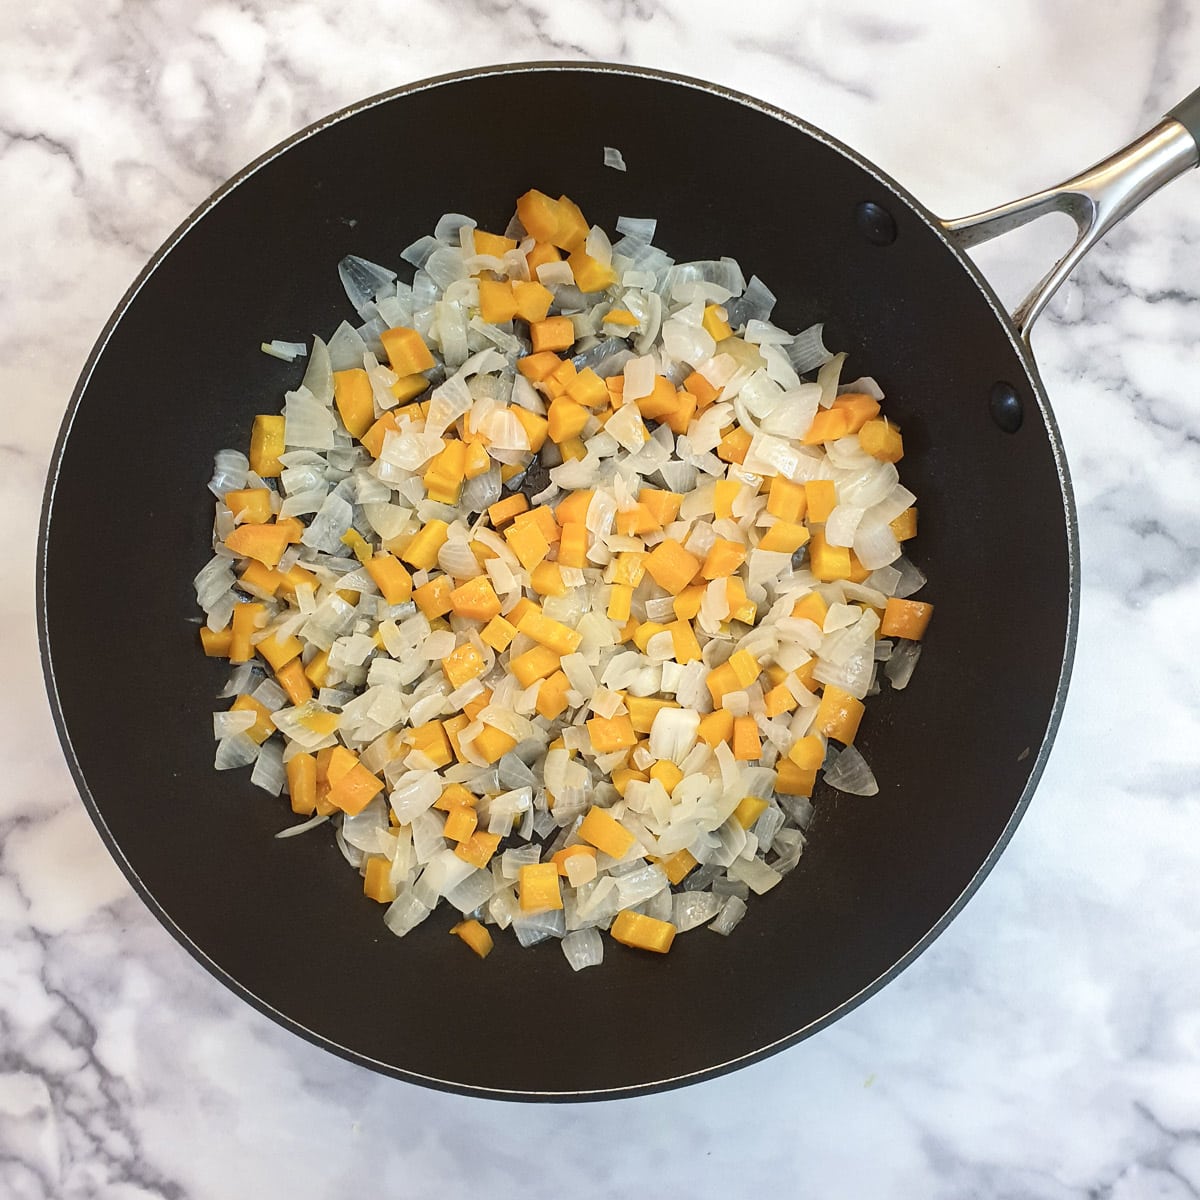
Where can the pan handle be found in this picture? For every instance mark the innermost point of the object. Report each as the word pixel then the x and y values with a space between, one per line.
pixel 1096 200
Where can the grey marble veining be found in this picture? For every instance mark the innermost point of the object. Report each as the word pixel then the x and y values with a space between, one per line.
pixel 1048 1045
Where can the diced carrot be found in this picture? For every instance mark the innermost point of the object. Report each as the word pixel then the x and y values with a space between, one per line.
pixel 559 858
pixel 259 578
pixel 266 445
pixel 301 773
pixel 354 399
pixel 494 744
pixel 784 537
pixel 406 350
pixel 686 648
pixel 734 445
pixel 827 562
pixel 541 254
pixel 478 848
pixel 679 865
pixel 374 437
pixel 460 823
pixel 536 428
pixel 749 809
pixel 671 566
pixel 741 608
pixel 704 391
pixel 453 796
pixel 543 518
pixel 591 275
pixel 539 367
pixel 538 887
pixel 533 665
pixel 263 725
pixel 445 473
pixel 787 500
pixel 745 667
pixel 431 740
pixel 528 543
pixel 664 506
pixel 279 653
pixel 354 790
pixel 409 387
pixel 588 389
pixel 746 745
pixel 724 557
pixel 391 577
pixel 377 881
pixel 838 714
pixel 573 545
pixel 620 316
pixel 643 932
pixel 602 830
pixel 858 407
pixel 808 753
pixel 292 679
pixel 216 645
pixel 905 619
pixel 492 243
pixel 476 598
pixel 822 500
pixel 463 664
pixel 552 333
pixel 611 733
pixel 716 321
pixel 546 579
pixel 882 441
pixel 498 633
pixel 565 419
pixel 792 780
pixel 533 300
pixel 661 401
pixel 636 521
pixel 687 603
pixel 681 416
pixel 811 608
pixel 266 543
pixel 433 598
pixel 244 623
pixel 250 506
pixel 422 551
pixel 543 218
pixel 778 701
pixel 497 301
pixel 472 933
pixel 552 696
pixel 503 511
pixel 904 526
pixel 316 670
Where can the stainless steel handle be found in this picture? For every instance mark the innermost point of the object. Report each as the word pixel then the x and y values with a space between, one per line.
pixel 1097 199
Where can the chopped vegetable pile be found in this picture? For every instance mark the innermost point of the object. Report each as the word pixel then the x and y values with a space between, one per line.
pixel 557 584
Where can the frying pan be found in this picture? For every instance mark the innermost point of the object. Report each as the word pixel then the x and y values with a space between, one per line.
pixel 177 374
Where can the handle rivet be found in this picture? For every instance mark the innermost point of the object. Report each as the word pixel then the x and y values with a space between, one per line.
pixel 1005 407
pixel 875 223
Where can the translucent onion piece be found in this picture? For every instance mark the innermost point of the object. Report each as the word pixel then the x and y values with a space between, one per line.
pixel 363 279
pixel 612 158
pixel 850 773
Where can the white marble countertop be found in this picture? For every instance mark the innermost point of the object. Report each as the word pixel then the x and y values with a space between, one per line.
pixel 1048 1044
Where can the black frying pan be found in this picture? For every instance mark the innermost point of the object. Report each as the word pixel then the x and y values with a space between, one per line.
pixel 177 374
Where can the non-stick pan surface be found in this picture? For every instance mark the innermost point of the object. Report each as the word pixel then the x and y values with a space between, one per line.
pixel 178 374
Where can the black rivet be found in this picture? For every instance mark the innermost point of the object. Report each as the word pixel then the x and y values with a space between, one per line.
pixel 1005 407
pixel 875 223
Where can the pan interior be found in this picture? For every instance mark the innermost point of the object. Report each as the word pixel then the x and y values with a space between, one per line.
pixel 181 375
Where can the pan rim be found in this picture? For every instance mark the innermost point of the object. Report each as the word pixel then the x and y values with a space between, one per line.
pixel 164 918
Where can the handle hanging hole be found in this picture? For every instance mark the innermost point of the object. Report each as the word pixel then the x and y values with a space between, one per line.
pixel 1006 407
pixel 875 223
